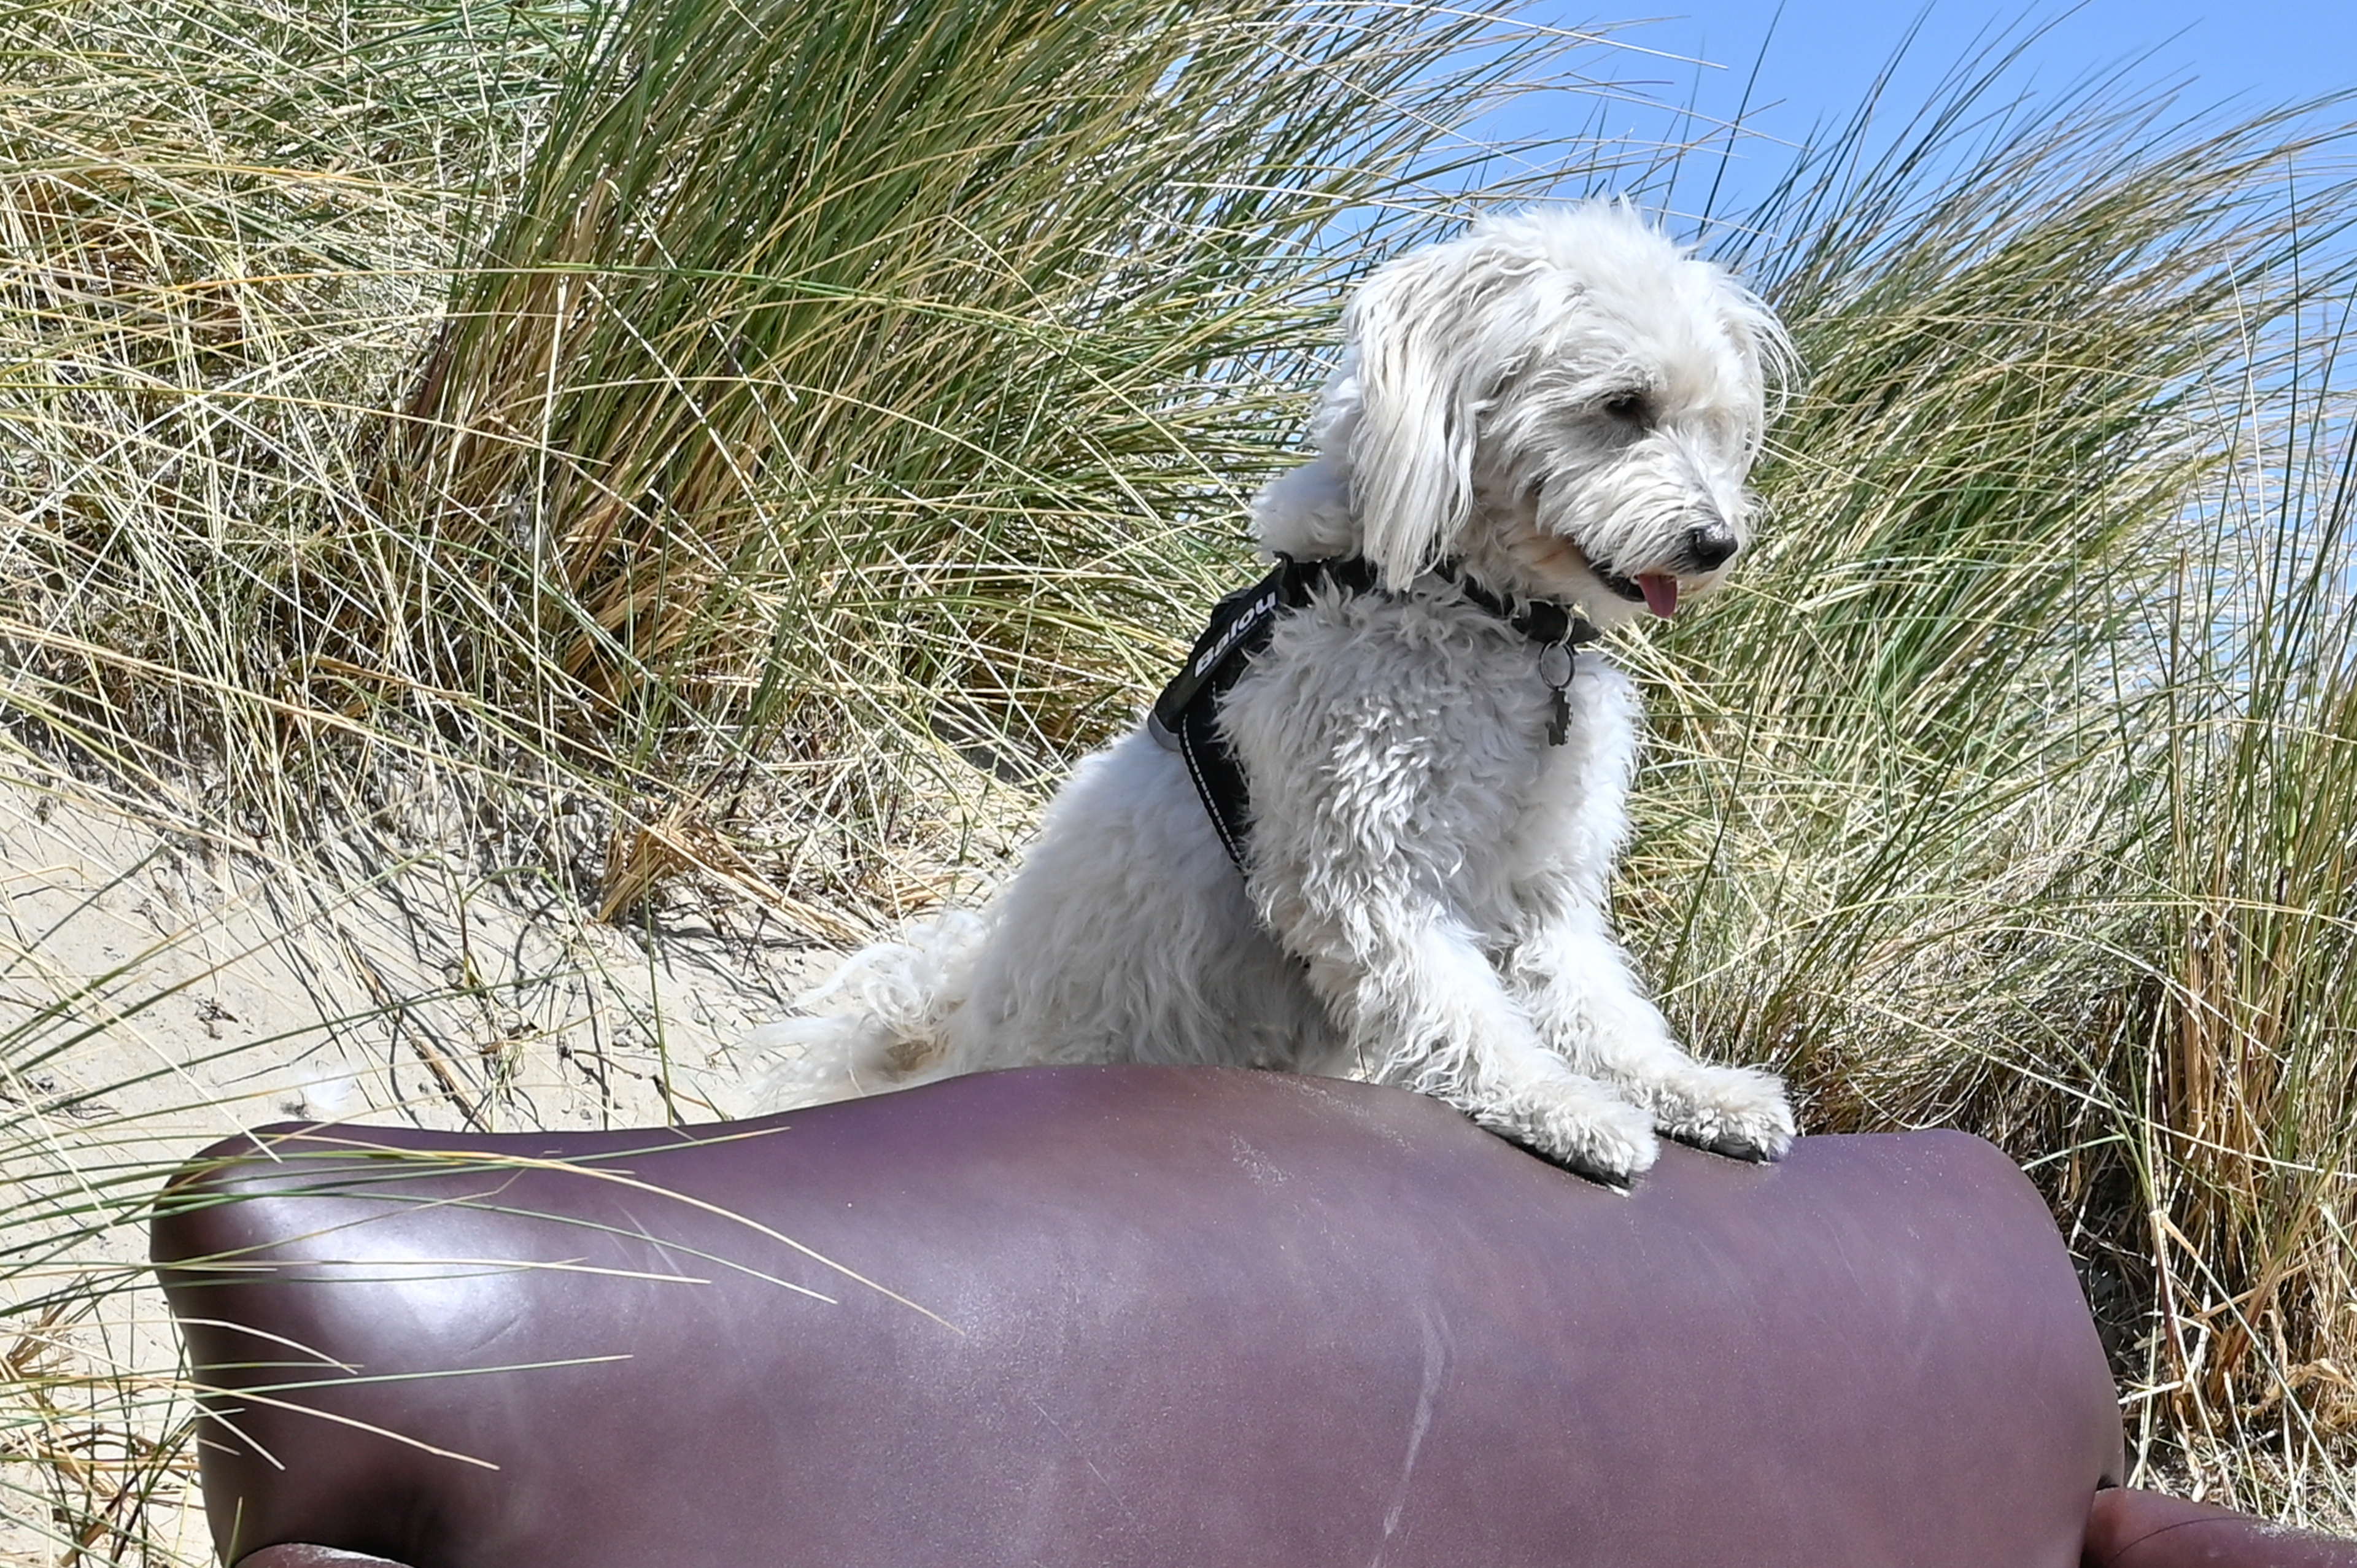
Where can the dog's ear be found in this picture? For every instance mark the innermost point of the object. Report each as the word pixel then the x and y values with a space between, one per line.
pixel 1420 390
pixel 1751 324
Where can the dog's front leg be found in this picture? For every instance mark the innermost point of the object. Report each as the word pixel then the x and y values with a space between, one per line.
pixel 1424 1009
pixel 1575 984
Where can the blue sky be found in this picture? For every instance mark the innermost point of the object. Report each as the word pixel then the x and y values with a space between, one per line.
pixel 1823 54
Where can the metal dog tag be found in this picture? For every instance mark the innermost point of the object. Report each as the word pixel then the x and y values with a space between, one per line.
pixel 1555 669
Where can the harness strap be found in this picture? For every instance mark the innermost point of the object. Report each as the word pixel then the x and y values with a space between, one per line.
pixel 1185 717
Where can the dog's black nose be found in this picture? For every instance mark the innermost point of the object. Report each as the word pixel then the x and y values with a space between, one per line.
pixel 1711 546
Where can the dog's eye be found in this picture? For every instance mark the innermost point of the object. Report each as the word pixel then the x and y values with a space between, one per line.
pixel 1628 407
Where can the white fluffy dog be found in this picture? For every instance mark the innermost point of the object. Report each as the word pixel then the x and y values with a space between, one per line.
pixel 1556 408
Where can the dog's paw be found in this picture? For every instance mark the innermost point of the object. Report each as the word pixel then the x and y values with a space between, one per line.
pixel 1735 1111
pixel 1596 1135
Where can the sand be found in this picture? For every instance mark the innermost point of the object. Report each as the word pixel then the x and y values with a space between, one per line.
pixel 162 986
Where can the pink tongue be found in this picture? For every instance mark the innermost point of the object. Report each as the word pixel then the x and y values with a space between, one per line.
pixel 1661 593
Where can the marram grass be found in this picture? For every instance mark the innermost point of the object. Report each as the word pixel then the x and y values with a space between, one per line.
pixel 888 376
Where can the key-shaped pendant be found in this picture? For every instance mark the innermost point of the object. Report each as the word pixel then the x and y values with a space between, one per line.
pixel 1554 669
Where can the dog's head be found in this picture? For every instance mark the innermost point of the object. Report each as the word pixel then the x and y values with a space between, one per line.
pixel 1566 402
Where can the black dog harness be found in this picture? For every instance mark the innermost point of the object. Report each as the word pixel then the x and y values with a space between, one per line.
pixel 1186 716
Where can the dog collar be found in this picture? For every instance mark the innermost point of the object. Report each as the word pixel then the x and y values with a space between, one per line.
pixel 1184 717
pixel 1544 621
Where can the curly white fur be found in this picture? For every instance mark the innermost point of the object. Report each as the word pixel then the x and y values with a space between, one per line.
pixel 1566 405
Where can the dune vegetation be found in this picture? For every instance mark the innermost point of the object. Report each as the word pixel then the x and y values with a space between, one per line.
pixel 701 458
